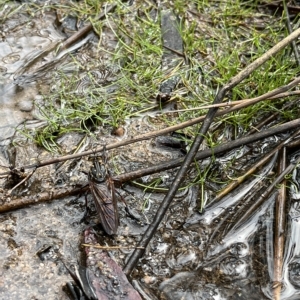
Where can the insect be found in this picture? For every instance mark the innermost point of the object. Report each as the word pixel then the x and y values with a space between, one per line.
pixel 103 191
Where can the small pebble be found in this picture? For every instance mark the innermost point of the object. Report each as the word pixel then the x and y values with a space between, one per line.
pixel 25 105
pixel 118 131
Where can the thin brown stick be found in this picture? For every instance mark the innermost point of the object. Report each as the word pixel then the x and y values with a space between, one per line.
pixel 289 27
pixel 252 170
pixel 294 143
pixel 272 117
pixel 244 101
pixel 268 95
pixel 279 228
pixel 267 192
pixel 25 201
pixel 109 247
pixel 156 133
pixel 208 152
pixel 85 30
pixel 21 182
pixel 17 203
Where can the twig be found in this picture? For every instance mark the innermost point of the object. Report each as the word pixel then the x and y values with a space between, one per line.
pixel 294 143
pixel 110 247
pixel 244 101
pixel 267 192
pixel 45 197
pixel 209 152
pixel 12 204
pixel 175 51
pixel 279 229
pixel 195 146
pixel 22 181
pixel 85 30
pixel 156 133
pixel 271 117
pixel 260 163
pixel 270 94
pixel 289 27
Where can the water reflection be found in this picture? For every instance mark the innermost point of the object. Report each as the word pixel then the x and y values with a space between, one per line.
pixel 291 275
pixel 208 256
pixel 239 260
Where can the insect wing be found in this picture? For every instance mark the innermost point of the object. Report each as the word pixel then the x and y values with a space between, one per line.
pixel 106 204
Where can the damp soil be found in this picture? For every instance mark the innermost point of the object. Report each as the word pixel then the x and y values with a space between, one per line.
pixel 194 255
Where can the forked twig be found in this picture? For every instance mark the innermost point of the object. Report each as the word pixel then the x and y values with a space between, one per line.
pixel 277 93
pixel 195 146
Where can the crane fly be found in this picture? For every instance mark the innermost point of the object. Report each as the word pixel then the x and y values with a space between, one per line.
pixel 103 191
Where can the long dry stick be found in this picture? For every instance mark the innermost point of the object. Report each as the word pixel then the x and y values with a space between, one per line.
pixel 164 131
pixel 271 117
pixel 195 146
pixel 16 203
pixel 227 221
pixel 209 152
pixel 260 163
pixel 244 101
pixel 279 229
pixel 267 193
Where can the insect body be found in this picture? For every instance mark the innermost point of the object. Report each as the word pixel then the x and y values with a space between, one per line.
pixel 103 191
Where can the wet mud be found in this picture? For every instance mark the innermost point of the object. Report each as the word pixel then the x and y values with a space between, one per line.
pixel 210 254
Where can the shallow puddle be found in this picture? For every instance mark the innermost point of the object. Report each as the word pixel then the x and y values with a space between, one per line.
pixel 224 252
